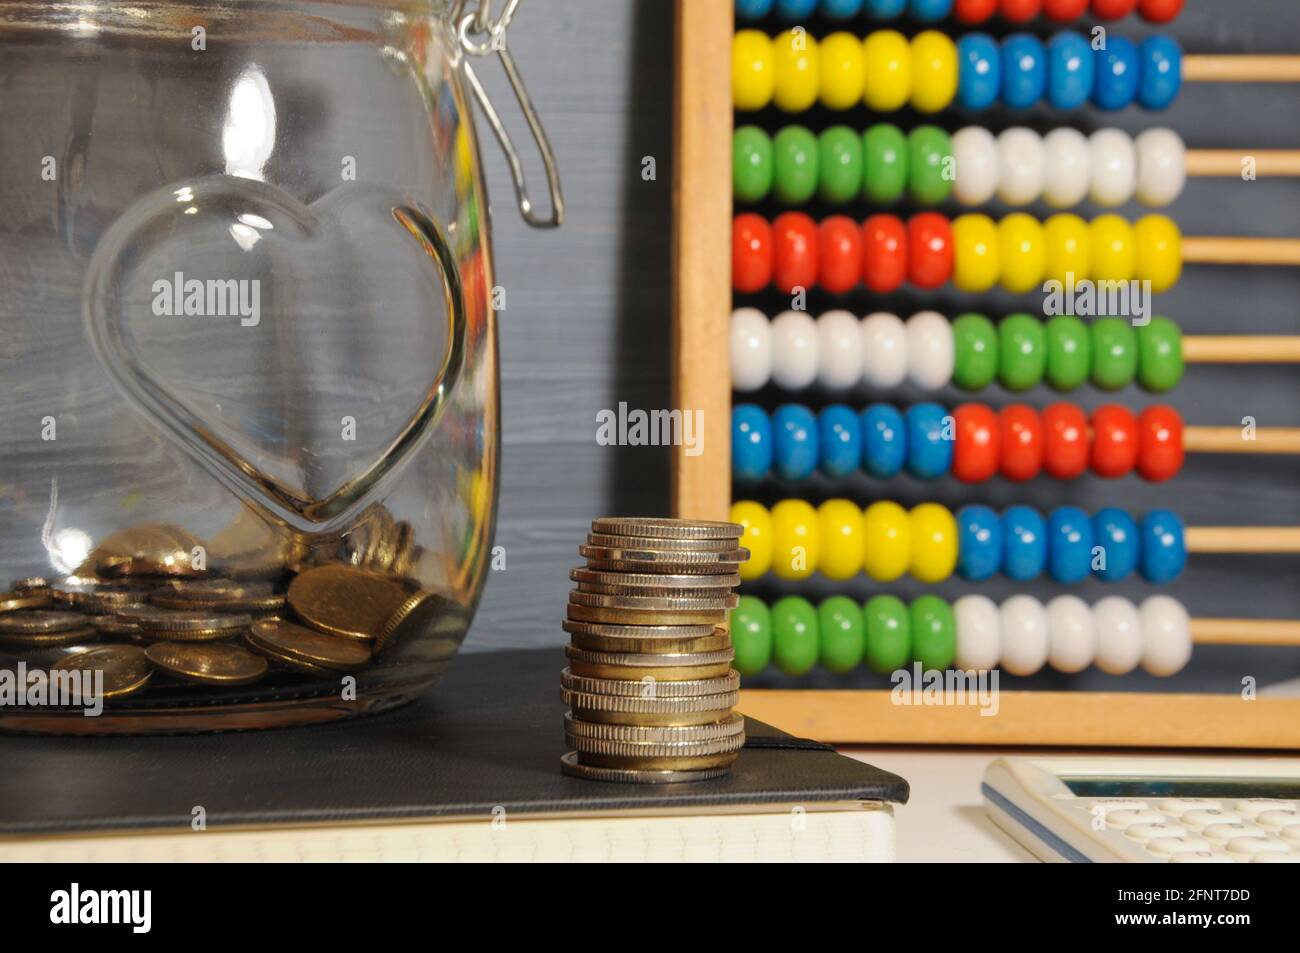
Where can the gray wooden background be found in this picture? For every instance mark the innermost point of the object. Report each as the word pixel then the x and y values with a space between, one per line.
pixel 587 315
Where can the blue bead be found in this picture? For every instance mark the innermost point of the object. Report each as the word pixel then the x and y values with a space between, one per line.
pixel 979 71
pixel 929 11
pixel 884 440
pixel 840 9
pixel 1069 544
pixel 751 442
pixel 752 9
pixel 794 10
pixel 794 436
pixel 1024 542
pixel 1024 70
pixel 886 9
pixel 979 543
pixel 1071 70
pixel 1117 74
pixel 929 441
pixel 840 435
pixel 1163 549
pixel 1161 71
pixel 1117 535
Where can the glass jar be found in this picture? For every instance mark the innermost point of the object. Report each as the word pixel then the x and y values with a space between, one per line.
pixel 251 419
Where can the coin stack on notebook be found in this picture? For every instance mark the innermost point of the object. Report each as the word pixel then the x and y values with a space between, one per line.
pixel 649 681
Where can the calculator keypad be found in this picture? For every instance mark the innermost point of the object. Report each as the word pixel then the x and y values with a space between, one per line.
pixel 1204 830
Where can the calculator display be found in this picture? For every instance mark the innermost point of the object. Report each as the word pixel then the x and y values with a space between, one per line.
pixel 1209 787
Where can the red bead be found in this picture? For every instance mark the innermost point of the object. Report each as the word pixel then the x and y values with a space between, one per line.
pixel 884 252
pixel 974 11
pixel 751 253
pixel 1160 11
pixel 1160 443
pixel 1065 441
pixel 839 253
pixel 1064 11
pixel 1022 442
pixel 929 250
pixel 975 447
pixel 1114 440
pixel 1018 11
pixel 1113 9
pixel 794 254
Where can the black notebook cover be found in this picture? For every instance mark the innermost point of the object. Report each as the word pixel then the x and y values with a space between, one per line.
pixel 489 735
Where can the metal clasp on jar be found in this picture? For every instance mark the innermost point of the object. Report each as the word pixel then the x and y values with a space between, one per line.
pixel 480 35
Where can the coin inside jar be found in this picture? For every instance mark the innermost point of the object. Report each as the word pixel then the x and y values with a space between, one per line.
pixel 207 663
pixel 125 668
pixel 345 601
pixel 180 626
pixel 40 620
pixel 288 639
pixel 27 599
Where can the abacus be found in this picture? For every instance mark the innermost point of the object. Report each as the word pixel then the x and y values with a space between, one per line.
pixel 789 158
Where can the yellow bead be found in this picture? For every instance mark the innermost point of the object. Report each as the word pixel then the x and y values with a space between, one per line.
pixel 843 70
pixel 1068 245
pixel 796 543
pixel 934 71
pixel 753 73
pixel 1114 255
pixel 975 253
pixel 757 537
pixel 798 73
pixel 886 541
pixel 839 523
pixel 888 70
pixel 934 542
pixel 1022 251
pixel 1159 251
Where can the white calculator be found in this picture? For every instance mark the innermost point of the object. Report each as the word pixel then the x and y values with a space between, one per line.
pixel 1149 809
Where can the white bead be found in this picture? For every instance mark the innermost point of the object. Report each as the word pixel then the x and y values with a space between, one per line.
pixel 1020 166
pixel 1161 167
pixel 1166 635
pixel 839 349
pixel 1119 635
pixel 975 160
pixel 1112 163
pixel 979 633
pixel 794 350
pixel 929 350
pixel 751 349
pixel 884 350
pixel 1066 167
pixel 1024 635
pixel 1071 635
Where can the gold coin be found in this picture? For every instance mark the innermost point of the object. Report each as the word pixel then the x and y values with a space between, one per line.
pixel 415 612
pixel 631 710
pixel 116 628
pixel 32 599
pixel 659 667
pixel 689 546
pixel 31 640
pixel 641 567
pixel 666 528
pixel 654 592
pixel 684 756
pixel 288 639
pixel 643 617
pixel 729 726
pixel 345 601
pixel 177 624
pixel 207 664
pixel 40 620
pixel 652 603
pixel 724 582
pixel 29 582
pixel 716 641
pixel 94 597
pixel 649 687
pixel 718 563
pixel 570 765
pixel 648 631
pixel 223 595
pixel 146 549
pixel 124 666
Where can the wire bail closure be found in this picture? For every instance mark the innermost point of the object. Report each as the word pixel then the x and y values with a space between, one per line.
pixel 481 36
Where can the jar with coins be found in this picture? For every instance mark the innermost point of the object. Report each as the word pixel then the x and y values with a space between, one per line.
pixel 251 418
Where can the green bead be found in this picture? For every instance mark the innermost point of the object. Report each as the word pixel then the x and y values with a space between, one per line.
pixel 751 635
pixel 795 152
pixel 1114 353
pixel 843 634
pixel 1160 355
pixel 889 634
pixel 884 158
pixel 1069 352
pixel 975 352
pixel 839 165
pixel 751 164
pixel 795 644
pixel 934 633
pixel 1022 351
pixel 929 155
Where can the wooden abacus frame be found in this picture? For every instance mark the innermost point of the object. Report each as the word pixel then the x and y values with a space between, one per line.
pixel 701 488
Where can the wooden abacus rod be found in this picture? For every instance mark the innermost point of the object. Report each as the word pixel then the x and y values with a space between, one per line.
pixel 1241 68
pixel 1226 163
pixel 1230 440
pixel 1241 349
pixel 1236 250
pixel 1242 539
pixel 1274 632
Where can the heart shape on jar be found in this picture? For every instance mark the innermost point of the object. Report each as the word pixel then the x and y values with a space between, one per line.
pixel 301 353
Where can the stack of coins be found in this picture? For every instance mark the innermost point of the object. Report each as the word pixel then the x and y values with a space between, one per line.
pixel 650 683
